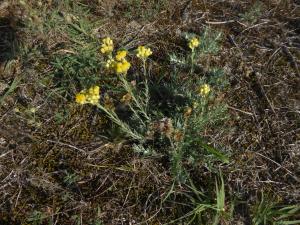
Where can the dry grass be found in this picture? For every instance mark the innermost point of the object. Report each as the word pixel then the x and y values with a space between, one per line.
pixel 60 160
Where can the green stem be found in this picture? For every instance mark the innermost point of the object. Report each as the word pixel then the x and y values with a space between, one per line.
pixel 127 87
pixel 146 84
pixel 193 61
pixel 136 113
pixel 116 120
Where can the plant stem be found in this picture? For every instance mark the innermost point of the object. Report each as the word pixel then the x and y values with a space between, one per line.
pixel 127 87
pixel 124 126
pixel 193 61
pixel 146 84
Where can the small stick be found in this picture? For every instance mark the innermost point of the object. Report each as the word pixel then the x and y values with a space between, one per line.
pixel 296 178
pixel 68 145
pixel 239 110
pixel 256 25
pixel 220 22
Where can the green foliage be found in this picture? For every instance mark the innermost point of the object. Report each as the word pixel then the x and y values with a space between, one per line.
pixel 205 207
pixel 36 218
pixel 13 86
pixel 78 65
pixel 76 219
pixel 209 41
pixel 194 148
pixel 70 178
pixel 156 111
pixel 61 116
pixel 97 222
pixel 267 211
pixel 76 69
pixel 253 14
pixel 138 9
pixel 166 119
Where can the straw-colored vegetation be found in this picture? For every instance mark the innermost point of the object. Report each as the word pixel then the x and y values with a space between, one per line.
pixel 149 112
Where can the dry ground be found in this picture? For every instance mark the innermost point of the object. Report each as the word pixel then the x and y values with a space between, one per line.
pixel 260 54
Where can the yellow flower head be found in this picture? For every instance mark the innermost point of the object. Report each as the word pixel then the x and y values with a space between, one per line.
pixel 122 67
pixel 121 55
pixel 107 46
pixel 194 43
pixel 143 52
pixel 94 90
pixel 91 96
pixel 204 90
pixel 107 41
pixel 80 98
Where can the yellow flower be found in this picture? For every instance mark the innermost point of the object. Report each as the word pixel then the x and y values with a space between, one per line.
pixel 107 46
pixel 121 55
pixel 92 96
pixel 122 67
pixel 107 41
pixel 80 98
pixel 143 52
pixel 194 43
pixel 204 90
pixel 94 90
pixel 126 98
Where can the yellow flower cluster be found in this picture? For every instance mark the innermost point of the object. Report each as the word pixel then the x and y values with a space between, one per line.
pixel 91 96
pixel 122 65
pixel 119 64
pixel 143 52
pixel 107 46
pixel 194 43
pixel 204 90
pixel 121 55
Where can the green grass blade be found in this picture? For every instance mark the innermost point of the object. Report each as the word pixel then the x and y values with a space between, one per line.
pixel 295 222
pixel 215 152
pixel 11 89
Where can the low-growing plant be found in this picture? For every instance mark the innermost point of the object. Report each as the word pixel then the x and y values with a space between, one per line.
pixel 267 211
pixel 253 14
pixel 155 126
pixel 37 217
pixel 204 207
pixel 138 9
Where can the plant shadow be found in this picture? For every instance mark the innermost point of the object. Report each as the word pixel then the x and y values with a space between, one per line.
pixel 8 40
